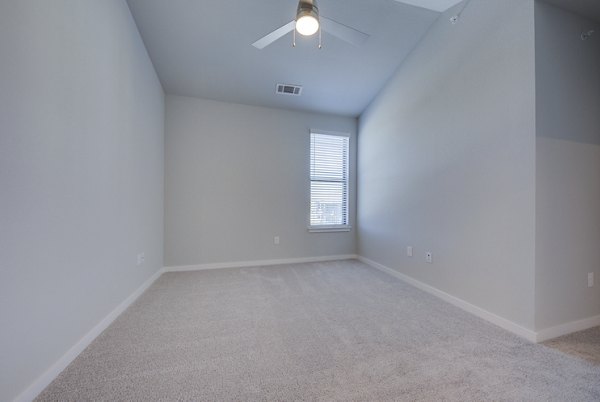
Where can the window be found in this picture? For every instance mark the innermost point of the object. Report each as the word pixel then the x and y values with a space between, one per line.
pixel 329 154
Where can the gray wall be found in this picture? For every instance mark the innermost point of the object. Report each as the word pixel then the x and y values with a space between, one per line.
pixel 81 173
pixel 236 176
pixel 447 161
pixel 568 167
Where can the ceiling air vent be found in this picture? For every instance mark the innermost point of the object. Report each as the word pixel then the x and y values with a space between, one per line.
pixel 287 89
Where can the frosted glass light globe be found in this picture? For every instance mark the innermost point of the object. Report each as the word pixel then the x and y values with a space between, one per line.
pixel 307 25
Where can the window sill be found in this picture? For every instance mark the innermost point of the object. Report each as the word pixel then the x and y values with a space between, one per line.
pixel 327 229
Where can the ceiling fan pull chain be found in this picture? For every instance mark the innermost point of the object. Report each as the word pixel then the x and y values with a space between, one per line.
pixel 294 38
pixel 320 43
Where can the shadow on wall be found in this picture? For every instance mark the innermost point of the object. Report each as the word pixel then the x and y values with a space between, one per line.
pixel 567 78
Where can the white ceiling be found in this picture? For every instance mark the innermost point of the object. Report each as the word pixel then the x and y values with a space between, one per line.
pixel 203 48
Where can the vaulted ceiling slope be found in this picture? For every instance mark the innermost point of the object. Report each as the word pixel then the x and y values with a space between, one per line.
pixel 203 49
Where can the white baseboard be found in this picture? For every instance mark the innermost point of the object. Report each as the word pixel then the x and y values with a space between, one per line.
pixel 567 328
pixel 256 263
pixel 45 379
pixel 468 307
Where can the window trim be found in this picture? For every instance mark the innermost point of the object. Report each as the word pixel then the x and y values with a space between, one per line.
pixel 331 228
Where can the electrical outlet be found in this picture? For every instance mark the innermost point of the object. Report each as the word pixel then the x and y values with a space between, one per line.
pixel 276 240
pixel 141 258
pixel 590 280
pixel 409 251
pixel 429 257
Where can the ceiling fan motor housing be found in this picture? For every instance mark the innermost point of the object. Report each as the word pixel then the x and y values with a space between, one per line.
pixel 307 8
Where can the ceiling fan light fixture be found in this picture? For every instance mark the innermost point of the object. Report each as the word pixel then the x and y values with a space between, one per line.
pixel 307 25
pixel 307 18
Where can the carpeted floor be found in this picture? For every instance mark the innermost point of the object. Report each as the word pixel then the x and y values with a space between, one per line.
pixel 323 331
pixel 584 345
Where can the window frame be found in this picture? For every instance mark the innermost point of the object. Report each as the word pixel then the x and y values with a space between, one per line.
pixel 330 228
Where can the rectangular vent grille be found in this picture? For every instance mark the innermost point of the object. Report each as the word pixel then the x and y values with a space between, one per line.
pixel 287 89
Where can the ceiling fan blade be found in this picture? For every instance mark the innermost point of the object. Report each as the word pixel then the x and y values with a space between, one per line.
pixel 273 36
pixel 343 32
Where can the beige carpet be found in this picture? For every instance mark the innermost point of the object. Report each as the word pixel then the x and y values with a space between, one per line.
pixel 584 345
pixel 325 331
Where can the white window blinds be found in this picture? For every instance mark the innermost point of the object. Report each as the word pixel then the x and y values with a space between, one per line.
pixel 328 180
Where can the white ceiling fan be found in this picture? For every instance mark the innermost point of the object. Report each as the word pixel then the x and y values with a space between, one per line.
pixel 308 21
